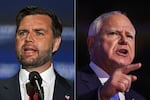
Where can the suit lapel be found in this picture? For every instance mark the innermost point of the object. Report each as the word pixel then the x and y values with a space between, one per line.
pixel 11 88
pixel 62 89
pixel 90 78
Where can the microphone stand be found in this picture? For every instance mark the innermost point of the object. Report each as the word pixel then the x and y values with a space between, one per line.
pixel 39 90
pixel 36 82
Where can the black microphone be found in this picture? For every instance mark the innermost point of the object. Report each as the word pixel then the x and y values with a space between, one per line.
pixel 36 81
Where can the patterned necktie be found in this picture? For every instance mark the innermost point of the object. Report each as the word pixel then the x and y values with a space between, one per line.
pixel 115 97
pixel 31 92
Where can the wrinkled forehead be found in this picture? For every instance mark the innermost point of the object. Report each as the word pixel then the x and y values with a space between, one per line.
pixel 117 22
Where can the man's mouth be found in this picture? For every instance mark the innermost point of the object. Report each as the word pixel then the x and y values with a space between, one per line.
pixel 29 50
pixel 122 52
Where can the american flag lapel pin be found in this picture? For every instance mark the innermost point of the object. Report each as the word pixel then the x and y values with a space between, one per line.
pixel 67 97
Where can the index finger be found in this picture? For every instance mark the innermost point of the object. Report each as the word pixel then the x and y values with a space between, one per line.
pixel 131 67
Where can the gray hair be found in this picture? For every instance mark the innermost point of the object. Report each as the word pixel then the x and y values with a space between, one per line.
pixel 95 26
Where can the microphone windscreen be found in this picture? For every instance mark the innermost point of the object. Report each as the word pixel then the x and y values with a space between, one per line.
pixel 35 76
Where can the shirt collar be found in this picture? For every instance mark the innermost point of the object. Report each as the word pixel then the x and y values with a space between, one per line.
pixel 101 74
pixel 46 75
pixel 23 76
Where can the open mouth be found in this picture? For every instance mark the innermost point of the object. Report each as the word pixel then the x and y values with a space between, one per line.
pixel 122 52
pixel 29 50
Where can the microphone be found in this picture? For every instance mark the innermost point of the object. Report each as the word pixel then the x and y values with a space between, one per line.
pixel 36 81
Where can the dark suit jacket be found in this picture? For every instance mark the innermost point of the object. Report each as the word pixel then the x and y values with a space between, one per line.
pixel 10 88
pixel 88 84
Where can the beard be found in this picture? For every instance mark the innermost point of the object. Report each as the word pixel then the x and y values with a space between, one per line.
pixel 43 58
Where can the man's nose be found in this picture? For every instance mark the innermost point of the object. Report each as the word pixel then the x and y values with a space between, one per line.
pixel 29 37
pixel 123 40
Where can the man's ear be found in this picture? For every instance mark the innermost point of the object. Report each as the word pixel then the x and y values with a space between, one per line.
pixel 56 44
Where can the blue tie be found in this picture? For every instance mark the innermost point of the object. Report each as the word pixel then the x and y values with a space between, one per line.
pixel 115 97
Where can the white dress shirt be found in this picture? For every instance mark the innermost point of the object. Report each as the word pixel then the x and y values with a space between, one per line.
pixel 103 77
pixel 48 83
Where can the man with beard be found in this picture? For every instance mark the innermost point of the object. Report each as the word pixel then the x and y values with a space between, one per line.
pixel 111 45
pixel 38 37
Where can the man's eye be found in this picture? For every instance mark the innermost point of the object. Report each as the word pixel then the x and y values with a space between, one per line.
pixel 40 33
pixel 130 36
pixel 22 33
pixel 113 33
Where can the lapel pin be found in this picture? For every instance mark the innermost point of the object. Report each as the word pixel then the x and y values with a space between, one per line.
pixel 67 97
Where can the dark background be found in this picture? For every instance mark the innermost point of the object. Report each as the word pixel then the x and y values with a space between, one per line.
pixel 139 13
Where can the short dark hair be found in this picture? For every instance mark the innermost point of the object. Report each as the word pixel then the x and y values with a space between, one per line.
pixel 33 10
